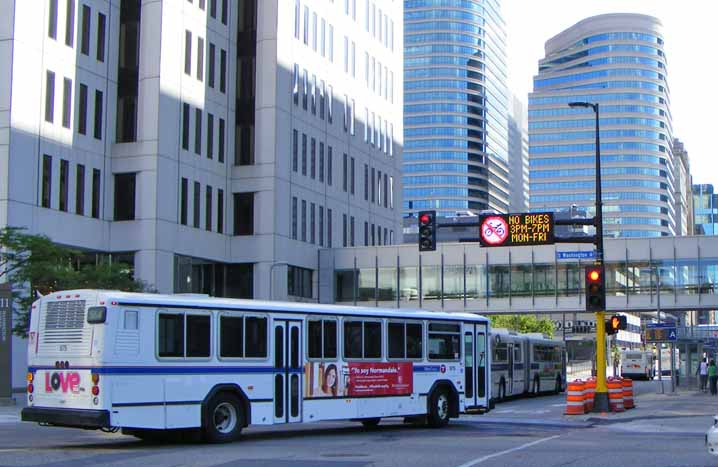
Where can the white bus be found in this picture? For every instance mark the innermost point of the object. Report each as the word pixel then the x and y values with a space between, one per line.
pixel 148 362
pixel 638 364
pixel 526 364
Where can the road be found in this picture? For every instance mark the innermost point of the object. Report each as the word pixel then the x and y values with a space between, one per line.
pixel 664 430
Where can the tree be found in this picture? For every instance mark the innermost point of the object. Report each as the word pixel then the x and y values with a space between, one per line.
pixel 523 323
pixel 34 265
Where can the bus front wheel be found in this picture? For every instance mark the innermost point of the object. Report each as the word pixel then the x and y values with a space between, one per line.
pixel 224 420
pixel 439 405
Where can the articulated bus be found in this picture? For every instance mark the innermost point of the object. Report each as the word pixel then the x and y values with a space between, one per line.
pixel 145 363
pixel 525 364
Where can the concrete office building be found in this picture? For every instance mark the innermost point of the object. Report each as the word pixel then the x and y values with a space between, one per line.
pixel 617 61
pixel 213 145
pixel 518 156
pixel 456 107
pixel 683 182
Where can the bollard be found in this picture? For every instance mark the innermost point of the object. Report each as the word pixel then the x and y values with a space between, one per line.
pixel 615 395
pixel 589 394
pixel 627 384
pixel 574 398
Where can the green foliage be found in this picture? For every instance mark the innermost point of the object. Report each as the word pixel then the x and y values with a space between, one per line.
pixel 34 265
pixel 523 323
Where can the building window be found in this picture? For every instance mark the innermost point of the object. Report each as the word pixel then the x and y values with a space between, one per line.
pixel 222 71
pixel 244 214
pixel 330 104
pixel 373 191
pixel 331 43
pixel 314 31
pixel 210 65
pixel 366 182
pixel 195 205
pixel 98 114
pixel 386 190
pixel 321 226
pixel 80 190
pixel 296 19
pixel 329 228
pixel 313 161
pixel 184 189
pixel 345 163
pixel 321 161
pixel 245 145
pixel 304 154
pixel 66 102
pixel 96 193
pixel 344 230
pixel 306 25
pixel 322 99
pixel 314 94
pixel 294 218
pixel 210 136
pixel 46 181
pixel 70 23
pixel 85 39
pixel 351 231
pixel 295 85
pixel 220 211
pixel 64 181
pixel 208 209
pixel 304 221
pixel 185 126
pixel 224 12
pixel 198 131
pixel 188 52
pixel 52 20
pixel 101 26
pixel 366 234
pixel 299 282
pixel 50 96
pixel 351 179
pixel 220 148
pixel 82 111
pixel 125 185
pixel 295 150
pixel 200 59
pixel 346 54
pixel 346 112
pixel 312 224
pixel 330 169
pixel 305 82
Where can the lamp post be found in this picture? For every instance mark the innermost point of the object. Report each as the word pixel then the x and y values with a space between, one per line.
pixel 271 276
pixel 601 396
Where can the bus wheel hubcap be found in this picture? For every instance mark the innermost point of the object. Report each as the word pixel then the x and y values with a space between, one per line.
pixel 442 406
pixel 225 417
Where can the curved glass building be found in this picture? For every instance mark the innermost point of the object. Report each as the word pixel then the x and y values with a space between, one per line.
pixel 617 61
pixel 455 106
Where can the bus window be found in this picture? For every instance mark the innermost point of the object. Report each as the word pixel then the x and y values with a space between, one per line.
pixel 242 337
pixel 198 335
pixel 170 335
pixel 444 341
pixel 231 336
pixel 517 354
pixel 362 339
pixel 322 339
pixel 405 340
pixel 501 353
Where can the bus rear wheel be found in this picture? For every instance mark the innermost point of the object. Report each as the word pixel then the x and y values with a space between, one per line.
pixel 439 405
pixel 224 420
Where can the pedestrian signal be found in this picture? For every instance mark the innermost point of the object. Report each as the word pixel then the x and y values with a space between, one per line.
pixel 615 323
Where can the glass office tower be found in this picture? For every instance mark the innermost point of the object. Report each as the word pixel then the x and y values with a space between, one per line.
pixel 455 107
pixel 617 61
pixel 705 210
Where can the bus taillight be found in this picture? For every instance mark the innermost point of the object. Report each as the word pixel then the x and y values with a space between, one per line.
pixel 30 388
pixel 95 390
pixel 95 378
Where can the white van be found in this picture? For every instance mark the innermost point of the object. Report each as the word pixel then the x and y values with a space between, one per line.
pixel 638 364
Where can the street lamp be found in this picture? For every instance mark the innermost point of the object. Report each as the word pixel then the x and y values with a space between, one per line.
pixel 271 276
pixel 601 396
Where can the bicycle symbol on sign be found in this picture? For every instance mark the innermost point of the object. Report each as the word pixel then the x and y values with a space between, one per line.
pixel 494 230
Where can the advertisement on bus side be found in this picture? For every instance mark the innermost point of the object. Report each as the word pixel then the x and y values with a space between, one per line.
pixel 358 379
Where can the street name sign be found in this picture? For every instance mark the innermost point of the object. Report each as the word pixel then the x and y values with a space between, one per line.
pixel 575 255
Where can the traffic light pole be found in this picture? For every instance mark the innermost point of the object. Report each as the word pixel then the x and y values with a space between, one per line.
pixel 600 403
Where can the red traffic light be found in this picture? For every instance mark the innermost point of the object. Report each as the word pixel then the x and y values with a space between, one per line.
pixel 424 218
pixel 594 275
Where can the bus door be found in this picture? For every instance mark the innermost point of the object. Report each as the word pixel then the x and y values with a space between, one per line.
pixel 476 365
pixel 510 376
pixel 287 371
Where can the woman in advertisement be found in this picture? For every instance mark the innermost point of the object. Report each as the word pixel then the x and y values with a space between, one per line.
pixel 330 381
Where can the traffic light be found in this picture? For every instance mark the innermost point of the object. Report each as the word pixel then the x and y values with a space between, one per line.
pixel 615 323
pixel 427 231
pixel 595 289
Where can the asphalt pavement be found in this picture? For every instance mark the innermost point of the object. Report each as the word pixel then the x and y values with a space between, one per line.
pixel 664 430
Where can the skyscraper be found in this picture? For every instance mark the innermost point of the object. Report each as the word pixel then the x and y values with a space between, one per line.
pixel 455 107
pixel 203 142
pixel 705 206
pixel 617 61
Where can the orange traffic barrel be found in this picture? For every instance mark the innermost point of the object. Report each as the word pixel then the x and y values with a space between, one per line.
pixel 589 393
pixel 574 398
pixel 615 395
pixel 628 393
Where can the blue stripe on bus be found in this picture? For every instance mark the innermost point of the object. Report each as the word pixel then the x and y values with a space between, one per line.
pixel 172 370
pixel 499 366
pixel 426 368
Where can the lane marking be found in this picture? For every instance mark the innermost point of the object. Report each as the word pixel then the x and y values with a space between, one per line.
pixel 501 453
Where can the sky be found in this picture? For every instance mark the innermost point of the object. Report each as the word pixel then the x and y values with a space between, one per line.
pixel 690 46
